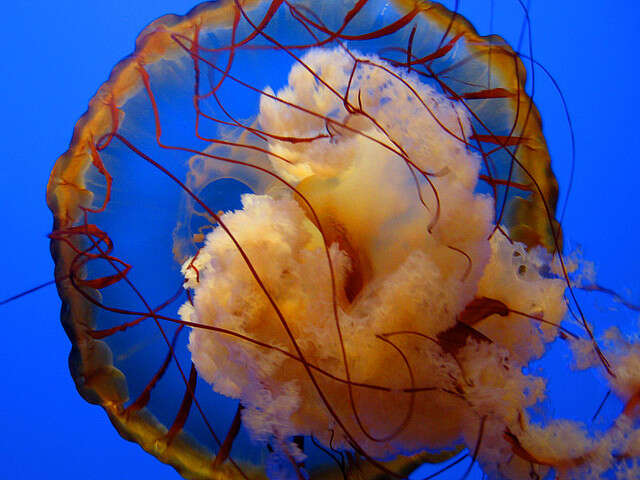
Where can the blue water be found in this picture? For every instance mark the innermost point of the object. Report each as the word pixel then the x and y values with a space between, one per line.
pixel 57 54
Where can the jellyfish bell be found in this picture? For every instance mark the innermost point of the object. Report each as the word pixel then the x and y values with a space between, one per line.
pixel 391 268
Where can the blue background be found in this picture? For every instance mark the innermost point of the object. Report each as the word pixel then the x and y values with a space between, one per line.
pixel 55 56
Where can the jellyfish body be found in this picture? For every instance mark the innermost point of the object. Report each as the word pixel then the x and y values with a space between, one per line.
pixel 396 275
pixel 378 293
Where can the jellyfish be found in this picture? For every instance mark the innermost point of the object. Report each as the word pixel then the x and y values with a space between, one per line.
pixel 321 239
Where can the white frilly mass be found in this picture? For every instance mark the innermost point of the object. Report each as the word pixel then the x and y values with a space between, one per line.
pixel 405 265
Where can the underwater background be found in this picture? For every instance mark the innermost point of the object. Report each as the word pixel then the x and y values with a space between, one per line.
pixel 56 55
